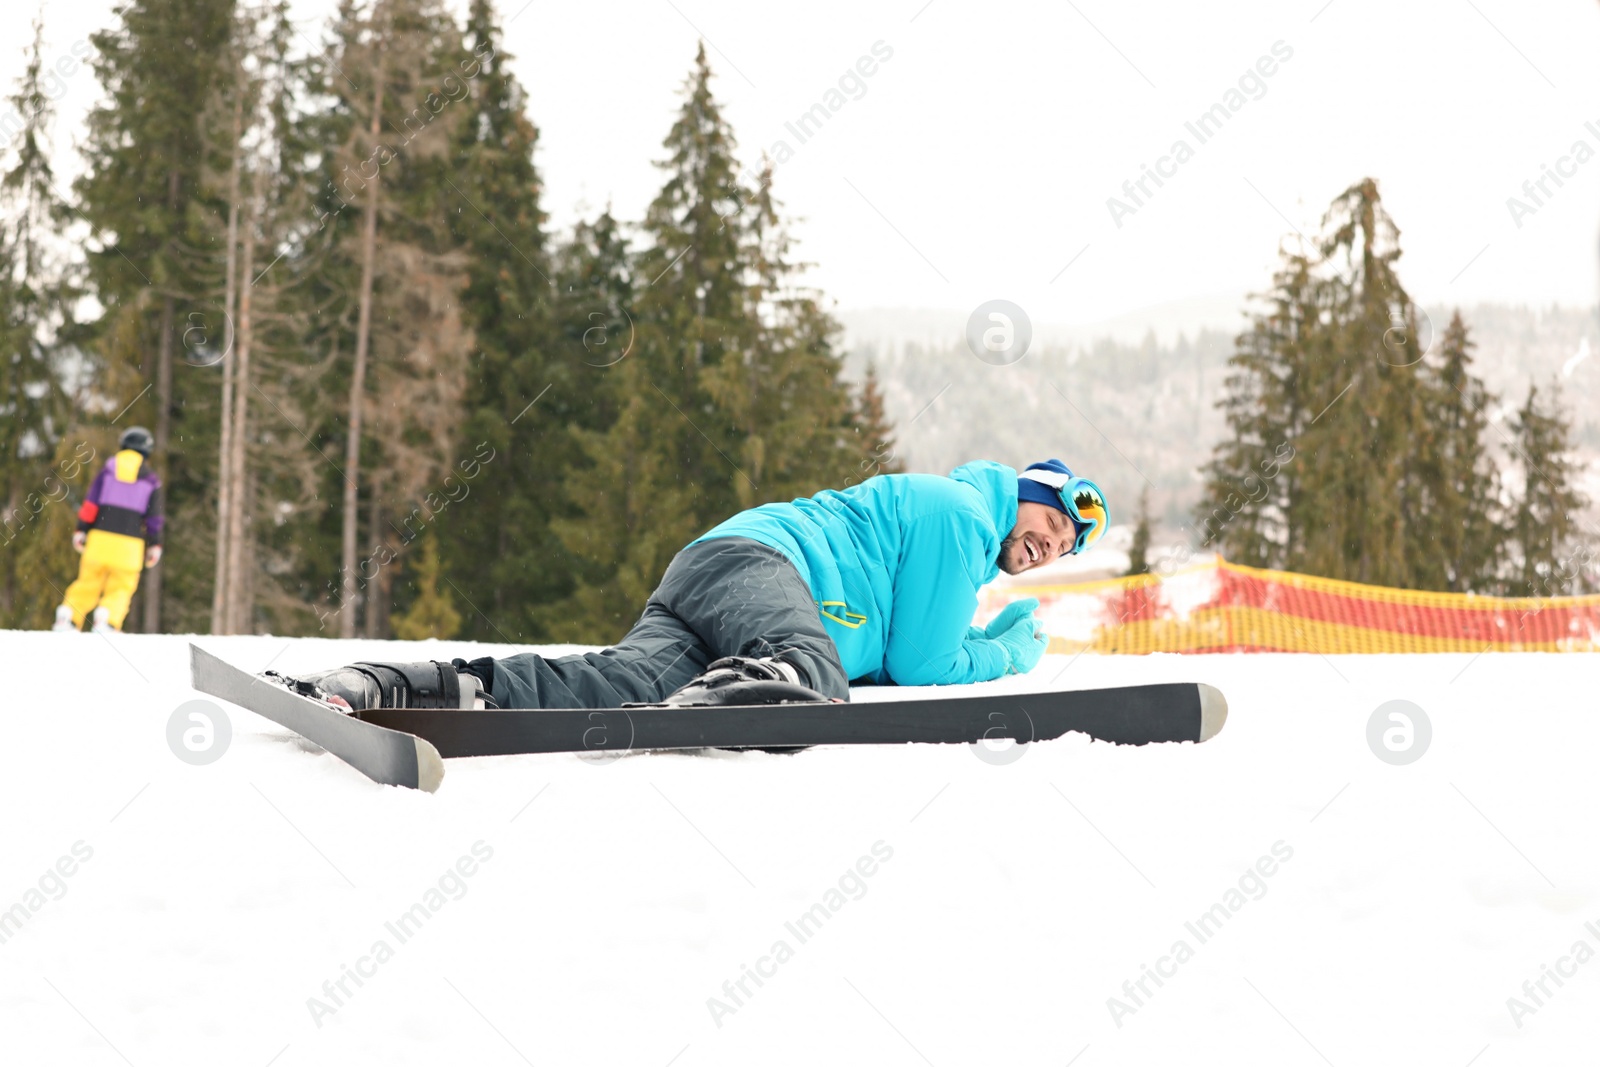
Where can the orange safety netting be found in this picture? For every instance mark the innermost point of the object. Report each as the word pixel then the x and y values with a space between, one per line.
pixel 1224 607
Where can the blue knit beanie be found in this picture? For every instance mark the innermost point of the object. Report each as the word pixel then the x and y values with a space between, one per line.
pixel 1040 493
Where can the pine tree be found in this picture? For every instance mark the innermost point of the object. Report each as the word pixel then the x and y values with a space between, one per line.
pixel 693 314
pixel 248 195
pixel 35 325
pixel 873 431
pixel 1547 550
pixel 247 336
pixel 433 612
pixel 1138 552
pixel 327 279
pixel 597 315
pixel 1355 472
pixel 144 153
pixel 1350 455
pixel 790 416
pixel 730 395
pixel 526 383
pixel 394 275
pixel 1138 602
pixel 233 100
pixel 1254 512
pixel 1455 536
pixel 667 468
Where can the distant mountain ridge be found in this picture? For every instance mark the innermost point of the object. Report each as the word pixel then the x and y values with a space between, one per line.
pixel 1131 399
pixel 1215 311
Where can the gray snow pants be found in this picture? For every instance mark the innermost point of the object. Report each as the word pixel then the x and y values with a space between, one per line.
pixel 729 596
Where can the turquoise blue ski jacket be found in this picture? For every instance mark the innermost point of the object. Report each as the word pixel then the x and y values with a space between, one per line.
pixel 895 564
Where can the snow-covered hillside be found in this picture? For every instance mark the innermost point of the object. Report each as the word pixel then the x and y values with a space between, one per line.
pixel 274 907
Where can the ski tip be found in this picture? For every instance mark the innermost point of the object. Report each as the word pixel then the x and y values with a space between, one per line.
pixel 1213 711
pixel 430 768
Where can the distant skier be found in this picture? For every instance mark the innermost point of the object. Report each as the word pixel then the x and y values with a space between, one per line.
pixel 876 583
pixel 119 534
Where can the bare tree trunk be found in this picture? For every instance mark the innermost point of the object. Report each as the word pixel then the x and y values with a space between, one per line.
pixel 151 583
pixel 219 584
pixel 8 589
pixel 358 376
pixel 245 591
pixel 152 578
pixel 375 600
pixel 238 617
pixel 381 598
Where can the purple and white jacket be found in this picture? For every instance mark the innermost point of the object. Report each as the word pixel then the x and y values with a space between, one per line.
pixel 124 499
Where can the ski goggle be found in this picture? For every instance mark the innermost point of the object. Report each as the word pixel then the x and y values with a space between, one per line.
pixel 1083 502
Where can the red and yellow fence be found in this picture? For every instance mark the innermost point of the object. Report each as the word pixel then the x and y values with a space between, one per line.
pixel 1224 607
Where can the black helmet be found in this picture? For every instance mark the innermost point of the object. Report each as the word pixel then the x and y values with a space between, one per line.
pixel 137 438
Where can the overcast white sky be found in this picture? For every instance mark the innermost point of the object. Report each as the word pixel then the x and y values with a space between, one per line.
pixel 978 162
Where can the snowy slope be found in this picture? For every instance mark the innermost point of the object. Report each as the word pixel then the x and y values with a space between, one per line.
pixel 616 898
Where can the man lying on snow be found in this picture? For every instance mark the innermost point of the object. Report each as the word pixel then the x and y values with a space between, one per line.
pixel 876 583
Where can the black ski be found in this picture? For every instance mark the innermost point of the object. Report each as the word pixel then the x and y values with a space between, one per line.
pixel 386 756
pixel 403 746
pixel 1134 715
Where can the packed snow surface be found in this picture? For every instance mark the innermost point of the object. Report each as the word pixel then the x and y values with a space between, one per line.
pixel 1300 900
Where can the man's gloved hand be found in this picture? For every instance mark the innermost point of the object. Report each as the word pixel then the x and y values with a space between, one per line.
pixel 1024 644
pixel 152 555
pixel 1008 617
pixel 79 539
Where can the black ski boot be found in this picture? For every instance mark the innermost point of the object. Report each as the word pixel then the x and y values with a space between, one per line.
pixel 736 680
pixel 362 686
pixel 745 680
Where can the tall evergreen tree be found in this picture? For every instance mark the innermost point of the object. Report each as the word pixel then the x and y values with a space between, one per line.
pixel 1548 552
pixel 143 154
pixel 1455 537
pixel 1356 529
pixel 524 385
pixel 600 331
pixel 1139 551
pixel 264 474
pixel 238 217
pixel 327 277
pixel 1254 508
pixel 432 612
pixel 662 472
pixel 35 327
pixel 730 395
pixel 874 433
pixel 243 341
pixel 392 280
pixel 1351 456
pixel 233 99
pixel 789 418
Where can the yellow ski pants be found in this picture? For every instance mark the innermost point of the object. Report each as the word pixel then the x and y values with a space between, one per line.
pixel 108 574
